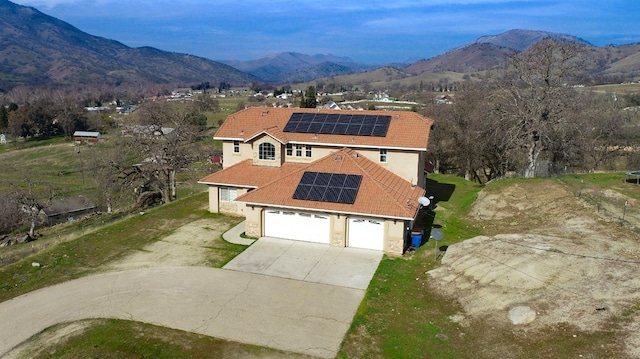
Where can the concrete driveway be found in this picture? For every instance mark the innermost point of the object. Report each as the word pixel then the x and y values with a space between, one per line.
pixel 304 315
pixel 310 262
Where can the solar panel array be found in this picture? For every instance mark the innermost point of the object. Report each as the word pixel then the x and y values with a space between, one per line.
pixel 328 187
pixel 338 124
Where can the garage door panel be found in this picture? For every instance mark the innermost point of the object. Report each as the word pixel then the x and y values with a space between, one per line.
pixel 297 226
pixel 366 233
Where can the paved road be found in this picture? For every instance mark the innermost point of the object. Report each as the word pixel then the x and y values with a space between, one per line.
pixel 287 314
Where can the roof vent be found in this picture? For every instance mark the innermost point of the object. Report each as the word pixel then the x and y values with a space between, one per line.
pixel 265 112
pixel 396 117
pixel 337 159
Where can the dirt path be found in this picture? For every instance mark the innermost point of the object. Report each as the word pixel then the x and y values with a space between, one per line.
pixel 549 258
pixel 189 245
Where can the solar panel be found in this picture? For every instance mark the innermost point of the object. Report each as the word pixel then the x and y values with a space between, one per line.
pixel 308 177
pixel 338 124
pixel 328 187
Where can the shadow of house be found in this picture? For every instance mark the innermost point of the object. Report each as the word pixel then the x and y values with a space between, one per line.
pixel 67 209
pixel 441 192
pixel 424 222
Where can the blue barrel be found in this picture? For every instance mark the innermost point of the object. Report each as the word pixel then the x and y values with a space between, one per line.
pixel 416 238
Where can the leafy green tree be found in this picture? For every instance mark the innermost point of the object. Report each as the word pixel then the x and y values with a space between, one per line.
pixel 309 100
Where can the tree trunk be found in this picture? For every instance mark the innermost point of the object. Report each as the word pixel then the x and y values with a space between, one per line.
pixel 532 158
pixel 174 193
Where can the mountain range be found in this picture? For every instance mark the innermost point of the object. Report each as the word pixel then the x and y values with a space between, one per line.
pixel 37 49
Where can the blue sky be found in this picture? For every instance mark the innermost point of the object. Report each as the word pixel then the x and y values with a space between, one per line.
pixel 372 31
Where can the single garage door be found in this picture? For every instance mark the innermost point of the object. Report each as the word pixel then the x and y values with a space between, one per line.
pixel 298 226
pixel 366 233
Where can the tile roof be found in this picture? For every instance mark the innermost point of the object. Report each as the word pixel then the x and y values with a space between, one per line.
pixel 407 129
pixel 382 193
pixel 245 174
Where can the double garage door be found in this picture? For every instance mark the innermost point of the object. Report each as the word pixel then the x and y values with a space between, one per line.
pixel 297 226
pixel 363 232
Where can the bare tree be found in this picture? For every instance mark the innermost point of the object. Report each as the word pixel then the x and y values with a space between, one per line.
pixel 535 95
pixel 161 141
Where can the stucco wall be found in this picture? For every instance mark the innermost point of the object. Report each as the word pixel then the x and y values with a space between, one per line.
pixel 278 148
pixel 230 158
pixel 253 222
pixel 394 237
pixel 338 230
pixel 231 208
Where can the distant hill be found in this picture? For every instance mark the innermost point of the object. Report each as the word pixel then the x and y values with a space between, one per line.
pixel 285 67
pixel 612 63
pixel 521 40
pixel 471 58
pixel 37 49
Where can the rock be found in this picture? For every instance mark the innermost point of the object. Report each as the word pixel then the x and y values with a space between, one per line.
pixel 35 264
pixel 522 315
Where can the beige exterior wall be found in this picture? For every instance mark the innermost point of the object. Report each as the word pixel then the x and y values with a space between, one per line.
pixel 394 237
pixel 253 222
pixel 230 158
pixel 231 208
pixel 278 148
pixel 338 230
pixel 403 163
pixel 213 199
pixel 317 152
pixel 406 164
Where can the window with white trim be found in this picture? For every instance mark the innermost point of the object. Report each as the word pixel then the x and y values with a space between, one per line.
pixel 308 151
pixel 228 194
pixel 267 151
pixel 289 149
pixel 236 146
pixel 299 150
pixel 383 155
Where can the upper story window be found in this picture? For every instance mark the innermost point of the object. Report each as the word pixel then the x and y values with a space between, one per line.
pixel 267 151
pixel 308 151
pixel 383 155
pixel 299 150
pixel 289 149
pixel 236 146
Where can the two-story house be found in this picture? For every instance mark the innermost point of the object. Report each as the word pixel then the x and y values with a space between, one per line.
pixel 345 178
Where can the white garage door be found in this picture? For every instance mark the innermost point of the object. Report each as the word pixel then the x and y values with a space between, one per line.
pixel 296 225
pixel 366 233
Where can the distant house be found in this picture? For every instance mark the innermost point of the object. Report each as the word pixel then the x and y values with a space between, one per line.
pixel 61 210
pixel 89 137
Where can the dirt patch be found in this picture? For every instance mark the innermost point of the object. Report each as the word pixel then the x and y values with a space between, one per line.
pixel 189 245
pixel 49 338
pixel 549 259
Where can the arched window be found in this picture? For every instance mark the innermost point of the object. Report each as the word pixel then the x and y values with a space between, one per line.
pixel 267 151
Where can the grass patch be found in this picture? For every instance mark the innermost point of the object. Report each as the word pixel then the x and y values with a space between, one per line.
pixel 110 338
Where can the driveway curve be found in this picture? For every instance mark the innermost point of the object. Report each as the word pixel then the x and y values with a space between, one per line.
pixel 304 317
